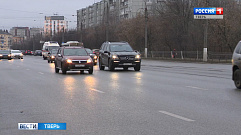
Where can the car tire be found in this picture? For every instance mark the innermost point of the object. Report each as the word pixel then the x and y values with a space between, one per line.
pixel 111 67
pixel 64 70
pixel 48 61
pixel 237 78
pixel 137 67
pixel 56 69
pixel 91 70
pixel 101 67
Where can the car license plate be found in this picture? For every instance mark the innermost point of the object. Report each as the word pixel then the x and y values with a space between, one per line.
pixel 79 65
pixel 127 63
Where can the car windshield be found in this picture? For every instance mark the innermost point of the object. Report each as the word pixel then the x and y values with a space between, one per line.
pixel 89 51
pixel 16 52
pixel 75 52
pixel 54 51
pixel 4 52
pixel 52 47
pixel 121 48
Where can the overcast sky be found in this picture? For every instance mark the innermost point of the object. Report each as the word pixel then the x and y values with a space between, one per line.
pixel 30 13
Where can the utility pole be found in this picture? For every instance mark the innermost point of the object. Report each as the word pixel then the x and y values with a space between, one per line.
pixel 107 22
pixel 146 17
pixel 205 46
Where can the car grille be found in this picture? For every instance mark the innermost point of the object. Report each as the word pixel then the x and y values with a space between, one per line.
pixel 79 61
pixel 129 57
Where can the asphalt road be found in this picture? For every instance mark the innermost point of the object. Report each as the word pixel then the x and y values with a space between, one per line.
pixel 164 98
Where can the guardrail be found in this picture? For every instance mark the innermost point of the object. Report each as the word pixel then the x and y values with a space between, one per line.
pixel 190 55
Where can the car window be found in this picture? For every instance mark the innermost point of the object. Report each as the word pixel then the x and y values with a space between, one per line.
pixel 103 47
pixel 89 51
pixel 16 52
pixel 237 49
pixel 120 48
pixel 75 52
pixel 4 52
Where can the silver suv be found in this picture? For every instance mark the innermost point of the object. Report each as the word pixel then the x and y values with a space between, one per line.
pixel 236 62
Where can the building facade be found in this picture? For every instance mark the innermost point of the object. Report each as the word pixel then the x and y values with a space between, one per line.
pixel 54 25
pixel 36 31
pixel 112 10
pixel 20 32
pixel 5 40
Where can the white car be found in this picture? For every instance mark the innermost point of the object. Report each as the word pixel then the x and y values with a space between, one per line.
pixel 16 54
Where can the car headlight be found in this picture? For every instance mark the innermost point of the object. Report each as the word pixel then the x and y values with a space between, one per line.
pixel 89 61
pixel 1 55
pixel 95 57
pixel 138 56
pixel 69 61
pixel 12 54
pixel 21 54
pixel 9 55
pixel 54 57
pixel 114 57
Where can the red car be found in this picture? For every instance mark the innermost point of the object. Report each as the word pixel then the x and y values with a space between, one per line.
pixel 73 59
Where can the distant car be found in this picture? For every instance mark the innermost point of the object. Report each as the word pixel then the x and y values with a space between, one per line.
pixel 28 52
pixel 38 53
pixel 118 54
pixel 96 52
pixel 92 55
pixel 51 55
pixel 5 54
pixel 73 59
pixel 48 46
pixel 16 54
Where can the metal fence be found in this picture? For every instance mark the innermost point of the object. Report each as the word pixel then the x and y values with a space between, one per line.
pixel 190 55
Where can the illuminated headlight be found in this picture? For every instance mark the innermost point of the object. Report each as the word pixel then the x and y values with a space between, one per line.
pixel 114 57
pixel 69 61
pixel 138 56
pixel 21 54
pixel 54 57
pixel 9 55
pixel 89 61
pixel 1 55
pixel 95 57
pixel 12 54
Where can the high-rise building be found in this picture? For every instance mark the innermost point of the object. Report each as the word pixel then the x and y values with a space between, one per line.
pixel 22 32
pixel 113 10
pixel 5 40
pixel 54 25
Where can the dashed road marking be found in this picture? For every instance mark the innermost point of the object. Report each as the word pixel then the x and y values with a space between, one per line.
pixel 176 116
pixel 196 88
pixel 41 73
pixel 97 90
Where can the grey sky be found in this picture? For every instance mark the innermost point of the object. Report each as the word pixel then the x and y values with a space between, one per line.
pixel 27 13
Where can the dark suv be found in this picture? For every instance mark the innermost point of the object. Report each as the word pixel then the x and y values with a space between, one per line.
pixel 236 62
pixel 73 59
pixel 118 54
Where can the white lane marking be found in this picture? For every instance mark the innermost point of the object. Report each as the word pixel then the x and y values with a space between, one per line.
pixel 177 116
pixel 97 90
pixel 41 73
pixel 196 88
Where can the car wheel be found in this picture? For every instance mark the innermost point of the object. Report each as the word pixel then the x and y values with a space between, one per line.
pixel 237 78
pixel 101 67
pixel 48 61
pixel 64 70
pixel 111 66
pixel 91 70
pixel 125 68
pixel 137 67
pixel 56 69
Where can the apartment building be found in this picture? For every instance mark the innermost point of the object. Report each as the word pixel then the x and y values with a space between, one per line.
pixel 54 25
pixel 114 10
pixel 5 40
pixel 36 31
pixel 20 32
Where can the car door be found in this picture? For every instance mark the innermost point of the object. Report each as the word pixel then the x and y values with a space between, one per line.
pixel 59 57
pixel 106 54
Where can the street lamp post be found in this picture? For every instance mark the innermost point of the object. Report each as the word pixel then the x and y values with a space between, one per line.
pixel 146 17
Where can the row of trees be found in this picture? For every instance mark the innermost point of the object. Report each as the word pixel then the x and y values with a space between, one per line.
pixel 171 25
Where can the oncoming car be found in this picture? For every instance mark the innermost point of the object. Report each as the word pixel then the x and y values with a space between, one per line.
pixel 92 55
pixel 73 59
pixel 16 54
pixel 5 54
pixel 51 55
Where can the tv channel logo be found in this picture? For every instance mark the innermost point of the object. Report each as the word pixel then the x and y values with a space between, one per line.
pixel 208 13
pixel 42 126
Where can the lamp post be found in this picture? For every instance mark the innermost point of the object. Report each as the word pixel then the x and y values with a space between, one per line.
pixel 146 17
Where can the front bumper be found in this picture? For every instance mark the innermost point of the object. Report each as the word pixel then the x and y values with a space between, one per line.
pixel 78 67
pixel 5 57
pixel 126 63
